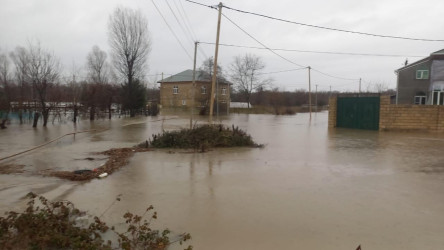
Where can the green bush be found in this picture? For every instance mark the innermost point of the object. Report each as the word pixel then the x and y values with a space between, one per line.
pixel 202 138
pixel 54 226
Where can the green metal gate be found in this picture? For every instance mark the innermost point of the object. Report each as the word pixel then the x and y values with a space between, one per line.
pixel 358 112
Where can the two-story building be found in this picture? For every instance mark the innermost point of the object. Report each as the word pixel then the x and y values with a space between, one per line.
pixel 422 82
pixel 177 92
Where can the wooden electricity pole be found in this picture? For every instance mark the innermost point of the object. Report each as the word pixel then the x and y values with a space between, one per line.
pixel 213 82
pixel 193 87
pixel 309 89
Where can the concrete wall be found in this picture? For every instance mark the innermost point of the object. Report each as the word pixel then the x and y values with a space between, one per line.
pixel 410 117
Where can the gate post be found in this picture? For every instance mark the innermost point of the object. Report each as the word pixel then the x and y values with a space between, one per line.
pixel 332 111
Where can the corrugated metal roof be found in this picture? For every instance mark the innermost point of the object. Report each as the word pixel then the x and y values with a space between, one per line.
pixel 187 76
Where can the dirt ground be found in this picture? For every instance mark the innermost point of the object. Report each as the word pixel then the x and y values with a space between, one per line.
pixel 118 157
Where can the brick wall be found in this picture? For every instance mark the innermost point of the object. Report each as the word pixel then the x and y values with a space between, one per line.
pixel 332 111
pixel 410 117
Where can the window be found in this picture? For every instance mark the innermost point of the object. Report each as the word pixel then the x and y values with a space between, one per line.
pixel 422 74
pixel 224 90
pixel 437 97
pixel 204 90
pixel 175 89
pixel 184 102
pixel 420 100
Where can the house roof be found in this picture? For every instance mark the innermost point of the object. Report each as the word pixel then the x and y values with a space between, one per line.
pixel 187 76
pixel 436 53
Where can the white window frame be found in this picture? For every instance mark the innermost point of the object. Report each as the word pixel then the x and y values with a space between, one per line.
pixel 204 90
pixel 184 102
pixel 422 74
pixel 224 90
pixel 175 90
pixel 419 100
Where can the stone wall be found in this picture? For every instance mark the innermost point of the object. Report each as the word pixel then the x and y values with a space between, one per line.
pixel 332 111
pixel 410 117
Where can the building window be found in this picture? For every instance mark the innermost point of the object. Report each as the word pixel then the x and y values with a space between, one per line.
pixel 175 89
pixel 204 90
pixel 437 97
pixel 422 74
pixel 420 100
pixel 224 90
pixel 184 102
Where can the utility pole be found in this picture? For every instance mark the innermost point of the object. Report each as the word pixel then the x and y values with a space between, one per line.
pixel 316 98
pixel 193 87
pixel 359 85
pixel 309 89
pixel 213 83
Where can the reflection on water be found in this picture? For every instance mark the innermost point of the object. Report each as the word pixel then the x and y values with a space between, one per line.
pixel 310 188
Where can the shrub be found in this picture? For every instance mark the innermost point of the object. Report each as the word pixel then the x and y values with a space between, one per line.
pixel 54 226
pixel 202 138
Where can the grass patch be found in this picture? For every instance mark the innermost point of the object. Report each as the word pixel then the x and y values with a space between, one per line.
pixel 202 138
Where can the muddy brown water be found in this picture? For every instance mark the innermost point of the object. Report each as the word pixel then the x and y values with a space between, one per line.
pixel 308 188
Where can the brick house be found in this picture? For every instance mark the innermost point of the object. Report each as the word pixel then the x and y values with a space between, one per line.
pixel 422 82
pixel 176 91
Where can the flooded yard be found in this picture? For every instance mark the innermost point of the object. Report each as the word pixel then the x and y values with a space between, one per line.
pixel 308 188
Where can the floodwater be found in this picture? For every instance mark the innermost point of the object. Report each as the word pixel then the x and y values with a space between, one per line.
pixel 310 187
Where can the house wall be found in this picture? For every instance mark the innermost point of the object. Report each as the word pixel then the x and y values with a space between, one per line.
pixel 409 86
pixel 170 100
pixel 410 117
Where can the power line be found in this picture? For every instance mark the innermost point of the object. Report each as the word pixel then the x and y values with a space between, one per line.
pixel 335 29
pixel 172 31
pixel 282 71
pixel 321 27
pixel 272 51
pixel 314 51
pixel 187 34
pixel 337 77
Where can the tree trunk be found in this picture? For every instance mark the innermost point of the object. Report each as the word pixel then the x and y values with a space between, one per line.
pixel 92 113
pixel 109 111
pixel 74 119
pixel 3 124
pixel 36 119
pixel 45 117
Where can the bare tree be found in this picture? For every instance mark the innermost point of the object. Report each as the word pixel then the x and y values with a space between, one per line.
pixel 43 72
pixel 20 57
pixel 97 66
pixel 245 74
pixel 206 69
pixel 98 74
pixel 74 90
pixel 130 44
pixel 5 91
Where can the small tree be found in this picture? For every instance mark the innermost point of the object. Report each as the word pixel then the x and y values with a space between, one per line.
pixel 130 45
pixel 98 74
pixel 20 57
pixel 43 72
pixel 245 74
pixel 5 90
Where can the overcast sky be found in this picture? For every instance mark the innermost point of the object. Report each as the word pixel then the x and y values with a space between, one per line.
pixel 71 28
